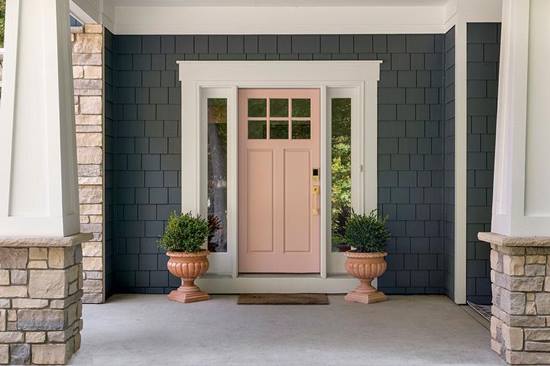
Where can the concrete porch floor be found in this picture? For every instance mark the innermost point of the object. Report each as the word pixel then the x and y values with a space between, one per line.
pixel 407 330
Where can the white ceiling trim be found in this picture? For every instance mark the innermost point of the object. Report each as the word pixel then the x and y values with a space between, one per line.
pixel 275 3
pixel 278 20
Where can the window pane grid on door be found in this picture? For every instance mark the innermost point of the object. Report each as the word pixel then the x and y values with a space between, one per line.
pixel 257 130
pixel 278 130
pixel 301 107
pixel 287 118
pixel 301 130
pixel 257 107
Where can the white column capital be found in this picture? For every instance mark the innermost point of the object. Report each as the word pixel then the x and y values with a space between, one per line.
pixel 38 184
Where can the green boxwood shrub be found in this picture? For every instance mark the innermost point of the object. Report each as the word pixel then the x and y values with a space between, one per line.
pixel 367 233
pixel 185 233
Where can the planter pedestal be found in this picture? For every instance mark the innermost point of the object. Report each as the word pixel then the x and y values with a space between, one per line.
pixel 188 292
pixel 365 267
pixel 365 293
pixel 187 266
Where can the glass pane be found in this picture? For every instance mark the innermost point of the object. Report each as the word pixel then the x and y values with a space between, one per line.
pixel 257 107
pixel 301 130
pixel 217 174
pixel 341 170
pixel 301 107
pixel 278 107
pixel 278 130
pixel 257 130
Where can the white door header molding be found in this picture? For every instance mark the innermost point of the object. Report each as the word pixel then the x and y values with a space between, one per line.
pixel 278 73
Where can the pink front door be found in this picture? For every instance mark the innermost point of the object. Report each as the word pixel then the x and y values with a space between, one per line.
pixel 279 199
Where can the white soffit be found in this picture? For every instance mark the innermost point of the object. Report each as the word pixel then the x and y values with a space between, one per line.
pixel 277 20
pixel 293 16
pixel 273 3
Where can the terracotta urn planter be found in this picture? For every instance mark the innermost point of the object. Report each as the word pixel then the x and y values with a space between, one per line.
pixel 366 267
pixel 188 266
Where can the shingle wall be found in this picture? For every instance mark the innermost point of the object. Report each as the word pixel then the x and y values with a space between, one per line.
pixel 483 62
pixel 144 145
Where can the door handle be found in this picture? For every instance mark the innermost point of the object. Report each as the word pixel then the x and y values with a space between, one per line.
pixel 315 190
pixel 315 199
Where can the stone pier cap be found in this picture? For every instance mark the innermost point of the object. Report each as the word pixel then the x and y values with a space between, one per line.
pixel 43 241
pixel 514 241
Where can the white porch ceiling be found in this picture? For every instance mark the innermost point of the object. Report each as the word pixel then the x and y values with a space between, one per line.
pixel 286 16
pixel 285 3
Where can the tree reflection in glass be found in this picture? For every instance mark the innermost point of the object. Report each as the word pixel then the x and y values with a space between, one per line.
pixel 217 174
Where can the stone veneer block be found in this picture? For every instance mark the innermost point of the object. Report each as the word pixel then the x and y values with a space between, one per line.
pixel 88 76
pixel 40 309
pixel 520 276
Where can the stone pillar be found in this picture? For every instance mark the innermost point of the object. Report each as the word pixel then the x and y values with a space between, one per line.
pixel 520 242
pixel 87 46
pixel 520 322
pixel 40 291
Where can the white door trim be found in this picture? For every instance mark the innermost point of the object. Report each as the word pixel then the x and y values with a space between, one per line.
pixel 222 79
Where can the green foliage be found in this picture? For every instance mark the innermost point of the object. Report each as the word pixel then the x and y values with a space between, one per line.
pixel 185 233
pixel 341 172
pixel 367 233
pixel 340 168
pixel 2 21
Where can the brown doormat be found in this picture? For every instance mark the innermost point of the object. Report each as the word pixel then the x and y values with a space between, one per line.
pixel 283 299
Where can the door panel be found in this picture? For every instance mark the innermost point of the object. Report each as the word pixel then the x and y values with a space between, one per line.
pixel 278 151
pixel 297 212
pixel 260 201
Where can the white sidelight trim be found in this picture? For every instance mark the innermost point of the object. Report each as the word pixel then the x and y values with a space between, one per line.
pixel 521 196
pixel 222 79
pixel 38 183
pixel 461 153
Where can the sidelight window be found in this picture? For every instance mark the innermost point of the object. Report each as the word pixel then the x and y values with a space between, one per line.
pixel 217 173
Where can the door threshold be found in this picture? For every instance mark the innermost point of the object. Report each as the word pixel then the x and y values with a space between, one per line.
pixel 279 275
pixel 276 283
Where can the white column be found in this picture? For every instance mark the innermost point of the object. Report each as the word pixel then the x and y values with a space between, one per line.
pixel 38 184
pixel 521 197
